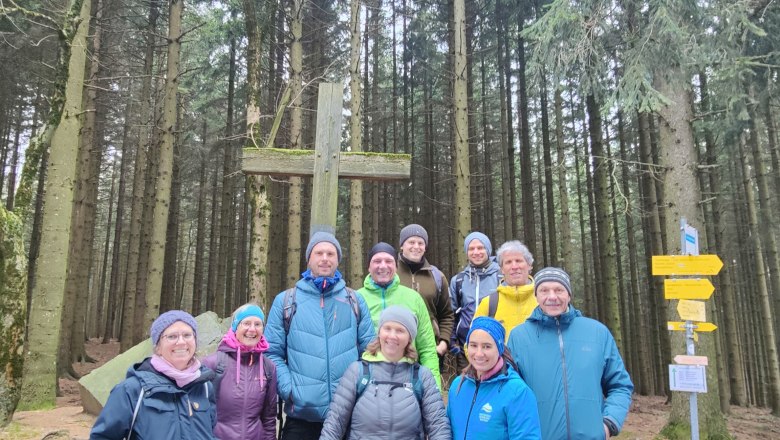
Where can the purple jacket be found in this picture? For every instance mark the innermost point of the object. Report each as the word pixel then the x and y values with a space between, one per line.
pixel 246 409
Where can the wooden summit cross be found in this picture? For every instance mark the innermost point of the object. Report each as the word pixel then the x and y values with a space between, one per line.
pixel 325 162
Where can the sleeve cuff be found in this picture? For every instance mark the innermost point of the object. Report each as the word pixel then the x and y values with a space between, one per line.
pixel 612 426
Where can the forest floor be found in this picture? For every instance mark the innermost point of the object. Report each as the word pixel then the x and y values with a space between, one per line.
pixel 68 421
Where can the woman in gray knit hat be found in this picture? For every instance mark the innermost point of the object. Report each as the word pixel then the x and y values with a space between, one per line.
pixel 388 394
pixel 168 395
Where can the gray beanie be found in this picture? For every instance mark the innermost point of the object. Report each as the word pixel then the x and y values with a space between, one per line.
pixel 552 274
pixel 319 237
pixel 169 318
pixel 413 230
pixel 379 248
pixel 401 315
pixel 476 235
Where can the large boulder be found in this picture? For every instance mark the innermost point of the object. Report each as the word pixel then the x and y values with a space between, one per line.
pixel 95 386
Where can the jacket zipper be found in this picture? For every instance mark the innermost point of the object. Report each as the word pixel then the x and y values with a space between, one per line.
pixel 327 351
pixel 468 418
pixel 565 377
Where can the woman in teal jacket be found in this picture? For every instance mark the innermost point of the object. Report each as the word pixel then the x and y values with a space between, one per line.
pixel 490 400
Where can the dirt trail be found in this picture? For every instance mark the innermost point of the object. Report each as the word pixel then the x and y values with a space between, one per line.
pixel 645 420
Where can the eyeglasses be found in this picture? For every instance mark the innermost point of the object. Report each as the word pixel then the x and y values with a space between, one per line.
pixel 174 337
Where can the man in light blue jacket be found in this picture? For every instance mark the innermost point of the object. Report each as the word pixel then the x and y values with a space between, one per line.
pixel 572 364
pixel 315 331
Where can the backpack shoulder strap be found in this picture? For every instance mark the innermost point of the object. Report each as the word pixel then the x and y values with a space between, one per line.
pixel 219 369
pixel 417 385
pixel 436 277
pixel 493 304
pixel 363 380
pixel 353 301
pixel 135 413
pixel 288 311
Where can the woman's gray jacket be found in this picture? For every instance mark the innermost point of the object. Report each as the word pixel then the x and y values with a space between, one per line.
pixel 382 413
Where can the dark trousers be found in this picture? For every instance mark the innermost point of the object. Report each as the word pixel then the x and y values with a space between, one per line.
pixel 299 429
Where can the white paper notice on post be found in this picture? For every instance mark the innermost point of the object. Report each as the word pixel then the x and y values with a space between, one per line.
pixel 688 378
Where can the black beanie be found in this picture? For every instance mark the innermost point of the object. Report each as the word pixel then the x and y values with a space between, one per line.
pixel 379 248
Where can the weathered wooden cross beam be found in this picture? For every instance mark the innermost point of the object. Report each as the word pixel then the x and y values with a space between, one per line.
pixel 326 162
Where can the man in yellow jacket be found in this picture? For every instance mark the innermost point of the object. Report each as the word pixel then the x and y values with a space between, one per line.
pixel 513 301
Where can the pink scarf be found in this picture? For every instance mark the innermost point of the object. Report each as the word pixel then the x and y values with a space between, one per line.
pixel 493 371
pixel 231 341
pixel 181 377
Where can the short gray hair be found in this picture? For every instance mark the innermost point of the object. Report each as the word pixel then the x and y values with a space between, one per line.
pixel 514 246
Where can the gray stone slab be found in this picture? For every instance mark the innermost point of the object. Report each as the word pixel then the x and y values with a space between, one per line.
pixel 95 386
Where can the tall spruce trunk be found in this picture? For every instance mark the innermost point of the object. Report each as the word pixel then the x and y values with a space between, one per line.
pixel 136 202
pixel 165 166
pixel 356 266
pixel 296 142
pixel 677 156
pixel 567 251
pixel 461 128
pixel 39 383
pixel 606 237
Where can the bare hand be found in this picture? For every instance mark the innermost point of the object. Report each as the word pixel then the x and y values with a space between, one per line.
pixel 606 432
pixel 441 348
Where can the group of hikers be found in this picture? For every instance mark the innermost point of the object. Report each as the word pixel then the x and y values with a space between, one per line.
pixel 367 364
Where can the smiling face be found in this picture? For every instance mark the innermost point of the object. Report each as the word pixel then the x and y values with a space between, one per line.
pixel 393 340
pixel 413 249
pixel 482 352
pixel 477 254
pixel 515 268
pixel 382 268
pixel 324 260
pixel 249 331
pixel 553 298
pixel 177 345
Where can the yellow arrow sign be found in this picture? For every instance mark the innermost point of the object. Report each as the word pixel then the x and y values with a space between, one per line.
pixel 686 264
pixel 697 326
pixel 691 360
pixel 691 310
pixel 688 288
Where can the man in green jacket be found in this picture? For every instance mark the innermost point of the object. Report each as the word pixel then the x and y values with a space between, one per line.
pixel 382 288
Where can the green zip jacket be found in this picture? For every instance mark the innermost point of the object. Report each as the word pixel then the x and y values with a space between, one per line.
pixel 378 298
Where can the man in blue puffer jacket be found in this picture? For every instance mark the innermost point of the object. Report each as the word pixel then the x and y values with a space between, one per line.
pixel 314 332
pixel 572 364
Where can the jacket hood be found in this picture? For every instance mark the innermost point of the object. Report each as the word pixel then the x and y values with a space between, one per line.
pixel 565 318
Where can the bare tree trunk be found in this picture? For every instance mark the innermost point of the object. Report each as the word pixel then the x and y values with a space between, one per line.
pixel 200 237
pixel 136 206
pixel 296 142
pixel 461 128
pixel 165 166
pixel 39 383
pixel 356 266
pixel 606 238
pixel 567 252
pixel 677 154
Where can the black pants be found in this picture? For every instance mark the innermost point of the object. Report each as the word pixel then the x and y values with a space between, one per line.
pixel 299 429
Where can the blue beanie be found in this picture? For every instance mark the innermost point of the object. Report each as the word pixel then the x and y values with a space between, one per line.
pixel 476 235
pixel 169 318
pixel 246 311
pixel 492 327
pixel 319 237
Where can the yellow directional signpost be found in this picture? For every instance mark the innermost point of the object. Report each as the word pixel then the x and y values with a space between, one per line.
pixel 691 310
pixel 688 374
pixel 688 288
pixel 686 264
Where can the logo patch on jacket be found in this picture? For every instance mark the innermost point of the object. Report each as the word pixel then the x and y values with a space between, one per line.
pixel 484 412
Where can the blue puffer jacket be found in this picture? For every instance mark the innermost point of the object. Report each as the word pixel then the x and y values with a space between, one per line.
pixel 571 362
pixel 499 408
pixel 167 412
pixel 325 338
pixel 475 284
